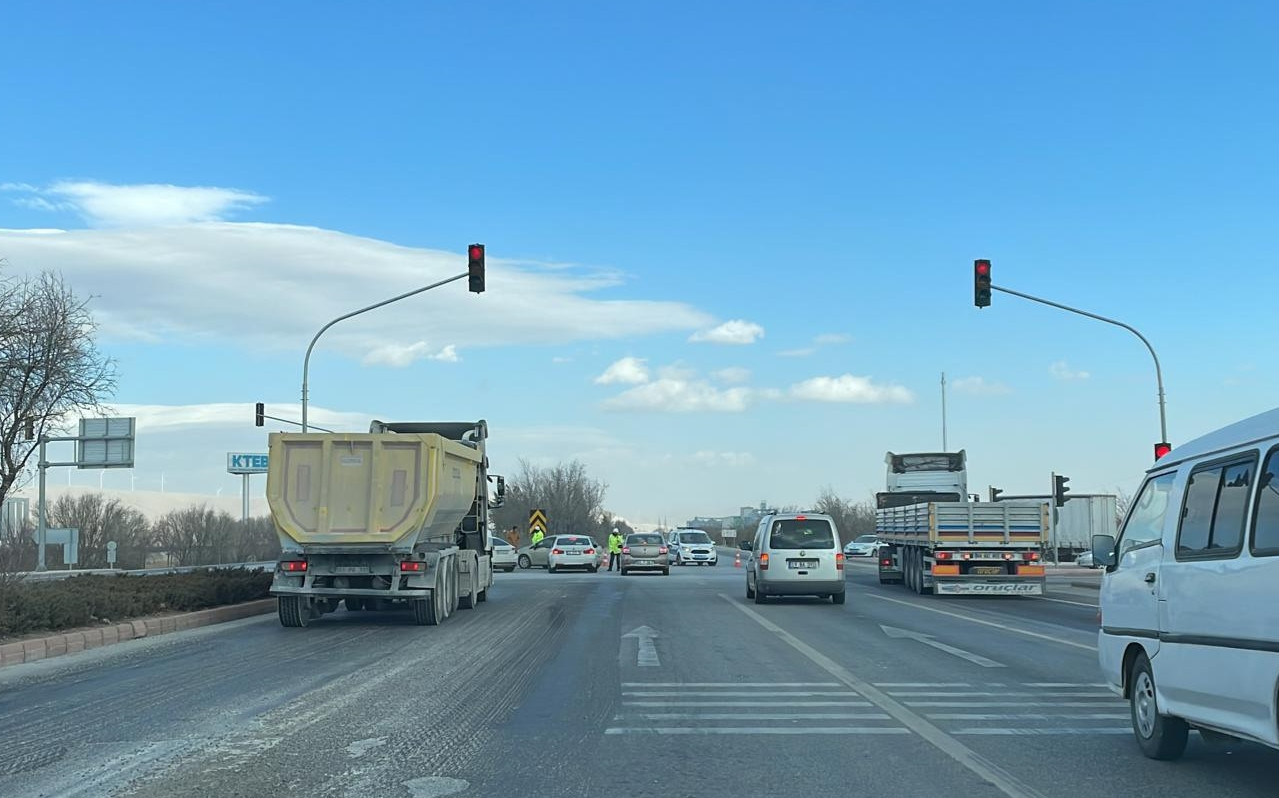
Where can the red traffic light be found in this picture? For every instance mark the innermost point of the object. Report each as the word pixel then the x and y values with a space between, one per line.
pixel 475 267
pixel 983 267
pixel 477 252
pixel 1162 449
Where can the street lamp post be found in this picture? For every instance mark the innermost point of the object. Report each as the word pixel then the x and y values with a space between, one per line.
pixel 306 361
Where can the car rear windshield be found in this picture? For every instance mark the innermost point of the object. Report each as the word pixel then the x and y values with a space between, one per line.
pixel 694 537
pixel 574 541
pixel 644 540
pixel 795 533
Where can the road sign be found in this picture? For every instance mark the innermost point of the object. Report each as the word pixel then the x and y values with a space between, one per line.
pixel 105 443
pixel 111 547
pixel 246 463
pixel 67 537
pixel 537 520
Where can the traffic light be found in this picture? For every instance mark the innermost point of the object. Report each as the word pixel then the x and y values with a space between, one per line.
pixel 259 414
pixel 994 494
pixel 1162 449
pixel 475 265
pixel 1060 490
pixel 981 283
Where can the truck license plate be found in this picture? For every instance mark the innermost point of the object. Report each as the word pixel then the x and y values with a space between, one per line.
pixel 803 563
pixel 351 569
pixel 988 570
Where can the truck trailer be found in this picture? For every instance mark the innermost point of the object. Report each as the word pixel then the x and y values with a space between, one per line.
pixel 933 539
pixel 393 518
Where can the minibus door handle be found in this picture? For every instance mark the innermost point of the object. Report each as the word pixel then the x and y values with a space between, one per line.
pixel 1150 577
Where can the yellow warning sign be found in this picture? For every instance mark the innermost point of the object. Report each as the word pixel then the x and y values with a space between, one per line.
pixel 537 520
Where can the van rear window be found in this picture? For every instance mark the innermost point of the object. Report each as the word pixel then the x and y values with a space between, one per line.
pixel 792 533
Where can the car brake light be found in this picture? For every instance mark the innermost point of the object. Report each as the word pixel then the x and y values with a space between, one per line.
pixel 626 549
pixel 557 551
pixel 839 560
pixel 412 565
pixel 943 555
pixel 662 550
pixel 293 566
pixel 801 518
pixel 590 551
pixel 763 561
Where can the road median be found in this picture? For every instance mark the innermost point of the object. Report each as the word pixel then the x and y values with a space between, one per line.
pixel 74 641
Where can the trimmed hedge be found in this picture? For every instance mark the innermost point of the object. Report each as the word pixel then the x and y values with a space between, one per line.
pixel 92 599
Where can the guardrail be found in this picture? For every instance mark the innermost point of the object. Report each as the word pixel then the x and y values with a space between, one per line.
pixel 53 576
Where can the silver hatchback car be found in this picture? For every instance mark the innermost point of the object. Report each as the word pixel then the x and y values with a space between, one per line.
pixel 795 554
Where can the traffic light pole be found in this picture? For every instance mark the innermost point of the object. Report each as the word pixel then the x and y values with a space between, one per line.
pixel 1159 377
pixel 306 361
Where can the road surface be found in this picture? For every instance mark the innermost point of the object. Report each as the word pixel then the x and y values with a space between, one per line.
pixel 595 684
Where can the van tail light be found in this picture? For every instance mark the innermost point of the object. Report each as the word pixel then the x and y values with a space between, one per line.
pixel 662 550
pixel 415 566
pixel 626 549
pixel 763 561
pixel 557 551
pixel 293 566
pixel 839 561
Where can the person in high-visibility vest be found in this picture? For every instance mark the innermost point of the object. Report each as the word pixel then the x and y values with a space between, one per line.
pixel 615 540
pixel 537 535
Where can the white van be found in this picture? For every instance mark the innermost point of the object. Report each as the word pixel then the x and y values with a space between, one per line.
pixel 795 554
pixel 1189 630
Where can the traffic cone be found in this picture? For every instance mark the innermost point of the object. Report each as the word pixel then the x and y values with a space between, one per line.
pixel 737 560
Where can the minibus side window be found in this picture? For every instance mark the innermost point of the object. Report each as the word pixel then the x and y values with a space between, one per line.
pixel 1215 509
pixel 1265 520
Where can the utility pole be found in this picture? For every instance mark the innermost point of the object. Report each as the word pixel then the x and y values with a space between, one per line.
pixel 943 412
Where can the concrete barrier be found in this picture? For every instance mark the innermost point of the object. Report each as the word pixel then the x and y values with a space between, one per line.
pixel 56 645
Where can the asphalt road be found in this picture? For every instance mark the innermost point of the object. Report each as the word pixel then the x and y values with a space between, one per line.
pixel 594 684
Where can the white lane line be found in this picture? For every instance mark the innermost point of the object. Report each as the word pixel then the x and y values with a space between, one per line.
pixel 695 730
pixel 1062 684
pixel 777 704
pixel 1036 732
pixel 1029 716
pixel 1064 601
pixel 971 619
pixel 1111 703
pixel 751 693
pixel 1004 781
pixel 921 684
pixel 731 684
pixel 954 694
pixel 765 716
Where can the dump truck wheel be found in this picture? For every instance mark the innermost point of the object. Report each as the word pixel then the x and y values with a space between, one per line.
pixel 467 602
pixel 293 611
pixel 483 595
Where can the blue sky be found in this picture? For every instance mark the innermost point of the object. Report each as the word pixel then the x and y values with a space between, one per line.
pixel 229 177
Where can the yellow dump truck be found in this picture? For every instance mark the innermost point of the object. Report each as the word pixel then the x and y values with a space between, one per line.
pixel 394 517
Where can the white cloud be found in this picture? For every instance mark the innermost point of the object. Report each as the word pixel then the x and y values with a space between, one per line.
pixel 978 386
pixel 850 388
pixel 268 288
pixel 826 339
pixel 723 459
pixel 1063 372
pixel 561 359
pixel 148 205
pixel 805 352
pixel 170 418
pixel 628 370
pixel 737 331
pixel 399 356
pixel 681 396
pixel 732 374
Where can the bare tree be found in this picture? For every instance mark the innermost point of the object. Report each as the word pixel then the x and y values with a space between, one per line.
pixel 254 540
pixel 197 535
pixel 572 500
pixel 1123 500
pixel 851 518
pixel 50 368
pixel 101 520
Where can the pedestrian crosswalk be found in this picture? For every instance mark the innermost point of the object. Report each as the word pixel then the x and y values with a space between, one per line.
pixel 832 708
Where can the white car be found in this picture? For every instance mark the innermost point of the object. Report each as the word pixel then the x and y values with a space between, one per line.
pixel 503 555
pixel 862 546
pixel 572 551
pixel 691 547
pixel 1188 632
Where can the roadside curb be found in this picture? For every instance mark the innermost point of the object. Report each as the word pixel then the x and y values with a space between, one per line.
pixel 1089 585
pixel 56 645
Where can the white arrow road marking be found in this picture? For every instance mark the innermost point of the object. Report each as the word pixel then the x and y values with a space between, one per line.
pixel 976 659
pixel 646 652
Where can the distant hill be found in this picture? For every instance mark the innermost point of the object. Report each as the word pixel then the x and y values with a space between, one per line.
pixel 151 503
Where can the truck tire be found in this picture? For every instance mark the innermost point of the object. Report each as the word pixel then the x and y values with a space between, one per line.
pixel 293 611
pixel 467 602
pixel 483 595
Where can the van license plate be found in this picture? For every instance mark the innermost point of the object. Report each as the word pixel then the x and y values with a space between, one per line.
pixel 988 570
pixel 802 563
